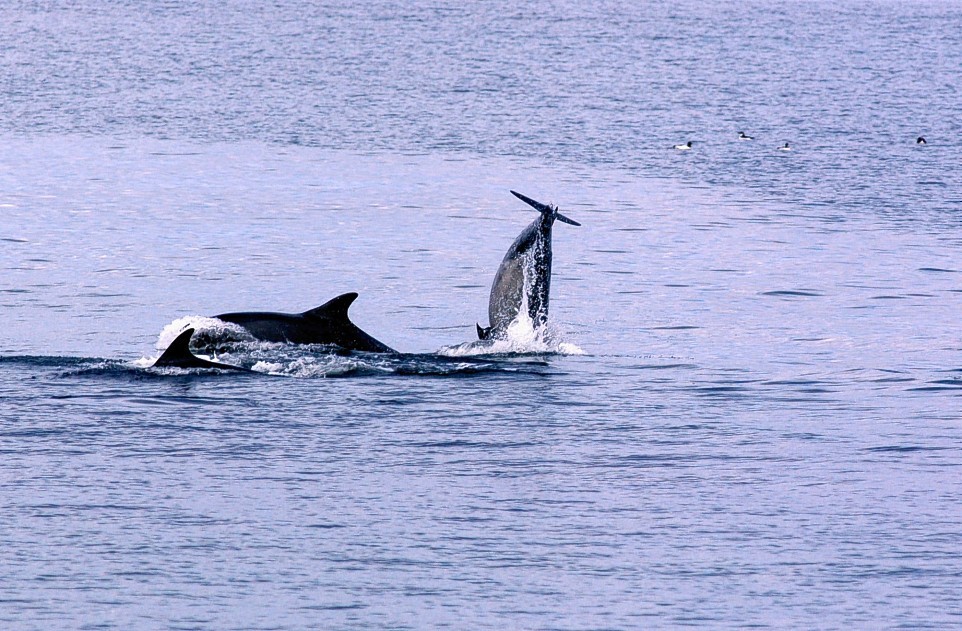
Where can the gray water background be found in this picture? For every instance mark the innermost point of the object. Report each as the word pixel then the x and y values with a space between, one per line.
pixel 761 428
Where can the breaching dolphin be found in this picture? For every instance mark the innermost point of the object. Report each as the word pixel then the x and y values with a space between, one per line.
pixel 327 324
pixel 524 277
pixel 178 355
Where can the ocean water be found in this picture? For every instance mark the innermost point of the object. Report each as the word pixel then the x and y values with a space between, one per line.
pixel 748 411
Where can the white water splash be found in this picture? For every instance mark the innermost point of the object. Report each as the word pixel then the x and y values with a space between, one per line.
pixel 569 348
pixel 200 324
pixel 308 367
pixel 143 362
pixel 522 336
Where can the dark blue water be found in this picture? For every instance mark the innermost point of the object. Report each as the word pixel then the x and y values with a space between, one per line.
pixel 748 410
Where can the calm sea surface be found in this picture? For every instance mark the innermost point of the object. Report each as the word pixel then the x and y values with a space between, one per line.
pixel 749 413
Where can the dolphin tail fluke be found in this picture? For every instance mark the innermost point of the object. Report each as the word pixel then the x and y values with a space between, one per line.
pixel 483 332
pixel 566 220
pixel 545 208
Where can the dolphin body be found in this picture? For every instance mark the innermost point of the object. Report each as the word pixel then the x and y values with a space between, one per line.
pixel 524 276
pixel 178 355
pixel 327 324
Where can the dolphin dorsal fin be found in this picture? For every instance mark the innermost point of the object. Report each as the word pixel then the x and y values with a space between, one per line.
pixel 333 308
pixel 178 352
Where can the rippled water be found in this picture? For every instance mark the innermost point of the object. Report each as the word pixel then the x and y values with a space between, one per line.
pixel 749 416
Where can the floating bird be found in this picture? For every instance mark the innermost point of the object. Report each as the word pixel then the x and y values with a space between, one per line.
pixel 684 147
pixel 743 136
pixel 785 147
pixel 920 141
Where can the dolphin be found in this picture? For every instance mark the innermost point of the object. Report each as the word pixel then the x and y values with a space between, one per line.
pixel 327 324
pixel 178 355
pixel 525 273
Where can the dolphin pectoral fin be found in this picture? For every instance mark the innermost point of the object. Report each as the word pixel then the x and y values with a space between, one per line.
pixel 545 208
pixel 483 333
pixel 334 308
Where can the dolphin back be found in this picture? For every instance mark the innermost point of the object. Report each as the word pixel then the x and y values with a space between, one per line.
pixel 327 324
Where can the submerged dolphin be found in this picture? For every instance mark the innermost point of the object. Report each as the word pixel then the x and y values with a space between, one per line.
pixel 524 277
pixel 327 324
pixel 178 355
